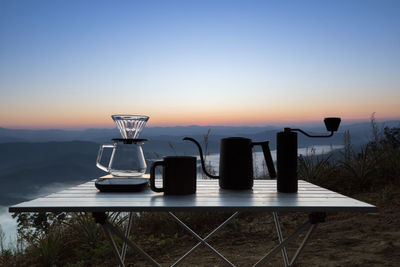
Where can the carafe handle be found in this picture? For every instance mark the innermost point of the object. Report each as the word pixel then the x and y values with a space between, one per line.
pixel 153 176
pixel 100 155
pixel 268 157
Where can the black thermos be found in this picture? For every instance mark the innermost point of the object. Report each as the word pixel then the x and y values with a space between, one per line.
pixel 286 157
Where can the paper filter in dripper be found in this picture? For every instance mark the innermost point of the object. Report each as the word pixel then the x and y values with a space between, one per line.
pixel 130 126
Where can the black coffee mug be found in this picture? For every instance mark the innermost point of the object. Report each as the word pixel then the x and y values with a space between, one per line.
pixel 179 175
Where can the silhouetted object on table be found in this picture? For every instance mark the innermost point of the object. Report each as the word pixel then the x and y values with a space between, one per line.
pixel 286 154
pixel 178 176
pixel 115 184
pixel 236 162
pixel 127 159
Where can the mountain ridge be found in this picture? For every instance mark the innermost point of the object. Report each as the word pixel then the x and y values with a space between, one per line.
pixel 101 135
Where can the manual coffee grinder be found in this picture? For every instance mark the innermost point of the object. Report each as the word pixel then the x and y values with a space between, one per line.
pixel 286 154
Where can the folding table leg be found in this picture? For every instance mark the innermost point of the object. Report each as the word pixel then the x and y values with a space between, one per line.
pixel 202 240
pixel 101 218
pixel 114 246
pixel 280 237
pixel 314 219
pixel 299 230
pixel 306 238
pixel 127 231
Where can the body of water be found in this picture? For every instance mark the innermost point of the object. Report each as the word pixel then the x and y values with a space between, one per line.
pixel 8 227
pixel 259 162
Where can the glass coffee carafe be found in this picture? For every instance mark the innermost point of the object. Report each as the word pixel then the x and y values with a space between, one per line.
pixel 127 158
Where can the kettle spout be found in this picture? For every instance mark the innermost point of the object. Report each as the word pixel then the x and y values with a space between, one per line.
pixel 201 157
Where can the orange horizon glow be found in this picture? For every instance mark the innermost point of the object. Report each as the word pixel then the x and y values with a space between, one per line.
pixel 259 112
pixel 198 120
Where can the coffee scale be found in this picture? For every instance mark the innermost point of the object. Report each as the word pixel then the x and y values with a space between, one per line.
pixel 126 164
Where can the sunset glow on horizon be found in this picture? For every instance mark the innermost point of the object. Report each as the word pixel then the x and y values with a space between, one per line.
pixel 154 121
pixel 72 64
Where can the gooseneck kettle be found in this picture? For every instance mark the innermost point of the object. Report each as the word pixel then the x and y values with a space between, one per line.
pixel 236 162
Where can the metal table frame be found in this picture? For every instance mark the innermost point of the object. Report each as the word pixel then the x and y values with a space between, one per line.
pixel 109 229
pixel 209 197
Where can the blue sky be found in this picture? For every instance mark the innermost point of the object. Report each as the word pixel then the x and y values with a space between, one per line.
pixel 72 64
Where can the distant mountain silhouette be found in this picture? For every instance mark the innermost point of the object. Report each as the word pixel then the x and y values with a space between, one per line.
pixel 201 130
pixel 94 135
pixel 358 130
pixel 26 167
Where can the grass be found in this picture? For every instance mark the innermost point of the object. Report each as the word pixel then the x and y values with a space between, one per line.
pixel 370 168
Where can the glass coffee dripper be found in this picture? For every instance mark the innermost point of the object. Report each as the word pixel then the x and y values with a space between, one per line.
pixel 127 158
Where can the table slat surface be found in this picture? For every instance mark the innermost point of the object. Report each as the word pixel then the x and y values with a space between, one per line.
pixel 263 197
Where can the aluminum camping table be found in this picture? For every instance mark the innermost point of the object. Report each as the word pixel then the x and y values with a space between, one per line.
pixel 209 197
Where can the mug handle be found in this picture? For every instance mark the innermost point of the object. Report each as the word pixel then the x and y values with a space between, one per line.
pixel 153 176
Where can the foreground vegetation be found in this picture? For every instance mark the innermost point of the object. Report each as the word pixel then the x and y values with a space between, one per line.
pixel 370 173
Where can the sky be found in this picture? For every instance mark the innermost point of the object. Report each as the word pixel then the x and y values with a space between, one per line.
pixel 72 64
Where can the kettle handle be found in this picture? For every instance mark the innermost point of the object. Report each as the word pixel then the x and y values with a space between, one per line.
pixel 268 157
pixel 100 155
